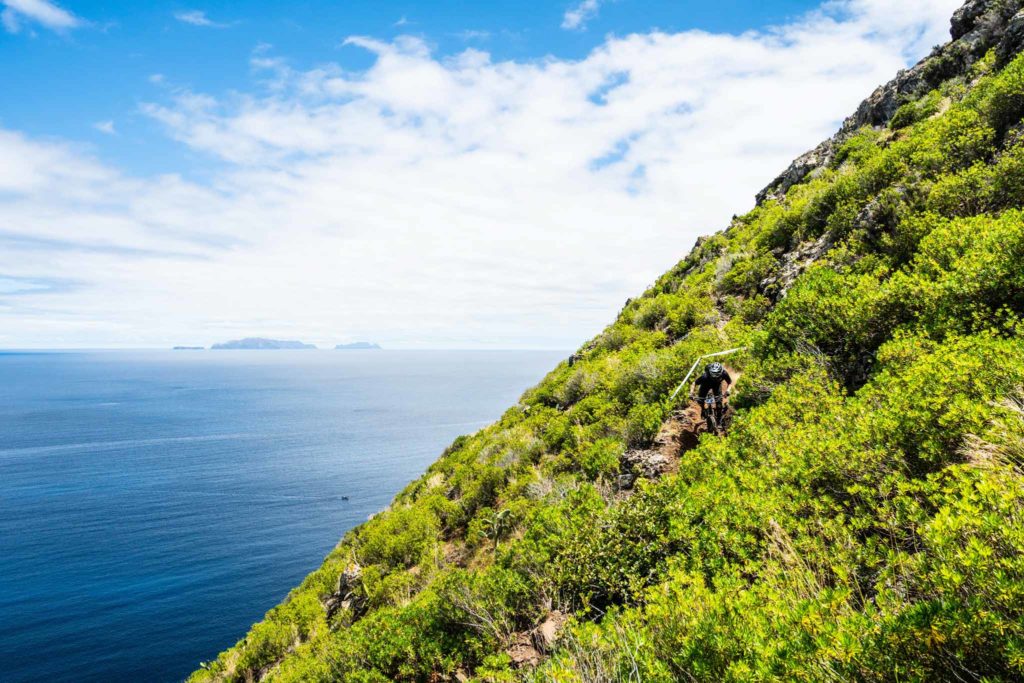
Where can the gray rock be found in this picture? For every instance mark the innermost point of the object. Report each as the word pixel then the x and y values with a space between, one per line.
pixel 794 262
pixel 546 635
pixel 966 17
pixel 1012 41
pixel 977 27
pixel 345 596
pixel 648 464
pixel 799 169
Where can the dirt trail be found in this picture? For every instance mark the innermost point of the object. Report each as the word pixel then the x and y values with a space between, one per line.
pixel 679 433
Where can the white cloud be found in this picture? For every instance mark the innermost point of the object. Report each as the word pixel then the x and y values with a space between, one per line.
pixel 106 127
pixel 470 35
pixel 430 201
pixel 36 11
pixel 577 16
pixel 198 18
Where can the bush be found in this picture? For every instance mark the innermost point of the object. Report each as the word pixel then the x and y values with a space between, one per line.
pixel 601 459
pixel 1004 97
pixel 399 539
pixel 843 317
pixel 966 276
pixel 643 424
pixel 494 602
pixel 918 110
pixel 651 313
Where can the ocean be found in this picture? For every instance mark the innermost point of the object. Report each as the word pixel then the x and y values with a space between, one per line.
pixel 154 504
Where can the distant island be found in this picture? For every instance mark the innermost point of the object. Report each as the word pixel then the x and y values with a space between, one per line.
pixel 259 343
pixel 189 348
pixel 357 346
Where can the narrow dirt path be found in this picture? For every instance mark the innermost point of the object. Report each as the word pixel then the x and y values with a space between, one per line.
pixel 679 433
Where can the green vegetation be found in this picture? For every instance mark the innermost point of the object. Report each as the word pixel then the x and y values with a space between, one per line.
pixel 862 520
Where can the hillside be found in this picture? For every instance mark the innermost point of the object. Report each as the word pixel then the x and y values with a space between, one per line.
pixel 863 519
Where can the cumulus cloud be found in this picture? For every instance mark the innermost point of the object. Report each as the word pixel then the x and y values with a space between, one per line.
pixel 435 201
pixel 577 16
pixel 47 14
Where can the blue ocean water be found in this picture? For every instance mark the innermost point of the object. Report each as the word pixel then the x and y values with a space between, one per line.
pixel 153 505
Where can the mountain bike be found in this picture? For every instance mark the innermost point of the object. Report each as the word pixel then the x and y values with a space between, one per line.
pixel 712 410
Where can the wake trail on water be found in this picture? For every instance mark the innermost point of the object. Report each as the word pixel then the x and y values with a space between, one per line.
pixel 86 446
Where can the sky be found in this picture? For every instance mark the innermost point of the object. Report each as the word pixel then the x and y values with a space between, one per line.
pixel 432 174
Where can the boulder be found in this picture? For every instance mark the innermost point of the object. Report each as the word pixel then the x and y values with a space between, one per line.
pixel 1012 41
pixel 794 262
pixel 546 635
pixel 965 18
pixel 346 597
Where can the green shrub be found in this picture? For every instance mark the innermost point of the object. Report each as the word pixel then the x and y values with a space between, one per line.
pixel 1004 97
pixel 494 602
pixel 918 110
pixel 399 539
pixel 601 459
pixel 843 317
pixel 651 313
pixel 643 424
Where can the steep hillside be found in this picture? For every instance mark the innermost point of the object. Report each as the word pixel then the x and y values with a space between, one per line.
pixel 863 519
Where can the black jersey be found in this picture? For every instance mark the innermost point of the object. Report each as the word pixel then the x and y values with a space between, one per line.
pixel 706 383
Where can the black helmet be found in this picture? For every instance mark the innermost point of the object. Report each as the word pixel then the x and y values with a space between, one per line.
pixel 715 370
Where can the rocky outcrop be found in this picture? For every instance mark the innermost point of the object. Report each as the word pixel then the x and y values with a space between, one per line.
pixel 642 464
pixel 977 27
pixel 794 262
pixel 1012 41
pixel 528 648
pixel 965 18
pixel 346 596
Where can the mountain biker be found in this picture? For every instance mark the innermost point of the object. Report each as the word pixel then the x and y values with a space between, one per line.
pixel 714 374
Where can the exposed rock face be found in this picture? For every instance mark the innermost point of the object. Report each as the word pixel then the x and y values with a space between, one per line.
pixel 965 18
pixel 794 262
pixel 546 635
pixel 646 464
pixel 977 27
pixel 528 648
pixel 798 170
pixel 522 652
pixel 1012 41
pixel 345 597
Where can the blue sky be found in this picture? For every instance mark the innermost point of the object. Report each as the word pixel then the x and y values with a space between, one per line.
pixel 67 81
pixel 425 174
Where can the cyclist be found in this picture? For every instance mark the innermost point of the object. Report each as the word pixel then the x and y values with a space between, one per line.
pixel 714 375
